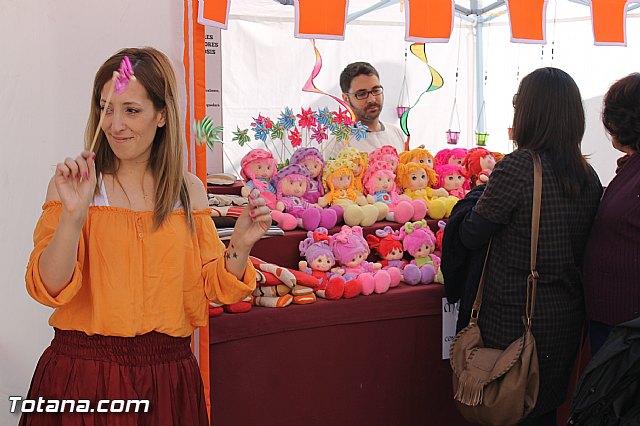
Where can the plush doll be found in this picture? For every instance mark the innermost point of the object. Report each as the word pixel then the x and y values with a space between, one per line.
pixel 311 159
pixel 351 251
pixel 257 169
pixel 359 160
pixel 379 183
pixel 452 178
pixel 497 155
pixel 291 183
pixel 479 163
pixel 385 153
pixel 450 156
pixel 420 242
pixel 388 247
pixel 319 262
pixel 417 155
pixel 340 191
pixel 416 180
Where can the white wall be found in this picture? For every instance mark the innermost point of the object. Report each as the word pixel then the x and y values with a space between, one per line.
pixel 50 52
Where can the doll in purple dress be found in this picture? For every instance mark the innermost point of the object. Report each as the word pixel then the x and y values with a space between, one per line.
pixel 291 184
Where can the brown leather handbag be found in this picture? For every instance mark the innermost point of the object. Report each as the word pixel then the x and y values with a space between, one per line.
pixel 492 386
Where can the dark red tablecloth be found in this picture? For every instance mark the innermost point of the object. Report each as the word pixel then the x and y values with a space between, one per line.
pixel 372 360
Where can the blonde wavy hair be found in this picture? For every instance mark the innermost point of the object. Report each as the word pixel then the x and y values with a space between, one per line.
pixel 358 158
pixel 335 168
pixel 403 174
pixel 153 70
pixel 419 153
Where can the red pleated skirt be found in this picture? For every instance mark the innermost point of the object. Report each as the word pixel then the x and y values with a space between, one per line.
pixel 112 373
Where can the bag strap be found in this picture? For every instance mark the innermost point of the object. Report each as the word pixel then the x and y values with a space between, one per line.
pixel 532 279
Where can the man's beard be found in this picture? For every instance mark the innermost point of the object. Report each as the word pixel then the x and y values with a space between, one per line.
pixel 364 114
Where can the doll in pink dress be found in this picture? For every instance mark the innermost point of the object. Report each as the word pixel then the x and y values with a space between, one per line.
pixel 379 183
pixel 319 262
pixel 257 169
pixel 452 178
pixel 291 184
pixel 351 251
pixel 420 242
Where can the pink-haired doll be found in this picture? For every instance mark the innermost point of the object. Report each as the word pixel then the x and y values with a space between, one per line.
pixel 420 242
pixel 452 178
pixel 450 156
pixel 379 182
pixel 385 153
pixel 291 183
pixel 257 169
pixel 479 163
pixel 319 262
pixel 351 251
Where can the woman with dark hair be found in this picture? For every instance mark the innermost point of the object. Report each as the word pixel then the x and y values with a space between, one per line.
pixel 128 256
pixel 548 120
pixel 612 257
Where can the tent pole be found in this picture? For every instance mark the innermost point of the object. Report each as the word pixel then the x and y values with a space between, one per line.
pixel 379 5
pixel 479 67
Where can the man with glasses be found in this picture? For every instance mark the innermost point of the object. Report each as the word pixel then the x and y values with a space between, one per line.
pixel 361 89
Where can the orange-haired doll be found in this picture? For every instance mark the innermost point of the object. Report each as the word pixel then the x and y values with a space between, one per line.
pixel 416 180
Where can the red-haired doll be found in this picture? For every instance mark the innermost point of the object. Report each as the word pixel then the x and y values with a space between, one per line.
pixel 478 164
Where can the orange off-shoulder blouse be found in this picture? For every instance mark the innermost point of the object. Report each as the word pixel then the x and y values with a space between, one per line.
pixel 130 279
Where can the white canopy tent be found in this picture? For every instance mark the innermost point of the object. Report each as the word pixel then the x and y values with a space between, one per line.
pixel 260 42
pixel 51 51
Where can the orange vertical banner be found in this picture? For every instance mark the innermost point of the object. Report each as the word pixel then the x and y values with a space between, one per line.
pixel 325 19
pixel 194 63
pixel 429 21
pixel 199 92
pixel 528 20
pixel 213 13
pixel 608 18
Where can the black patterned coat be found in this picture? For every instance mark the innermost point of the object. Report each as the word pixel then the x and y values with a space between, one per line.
pixel 564 228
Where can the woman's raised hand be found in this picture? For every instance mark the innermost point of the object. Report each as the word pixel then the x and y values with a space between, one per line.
pixel 75 181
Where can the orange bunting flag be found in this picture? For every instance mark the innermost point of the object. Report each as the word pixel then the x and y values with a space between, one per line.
pixel 528 20
pixel 609 22
pixel 213 13
pixel 429 21
pixel 325 19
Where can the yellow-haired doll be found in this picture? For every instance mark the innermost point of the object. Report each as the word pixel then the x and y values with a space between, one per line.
pixel 340 190
pixel 416 180
pixel 417 155
pixel 360 161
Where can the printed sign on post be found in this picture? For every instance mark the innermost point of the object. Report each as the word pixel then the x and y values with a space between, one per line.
pixel 449 319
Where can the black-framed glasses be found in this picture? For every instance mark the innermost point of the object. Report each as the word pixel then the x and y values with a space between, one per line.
pixel 364 94
pixel 515 96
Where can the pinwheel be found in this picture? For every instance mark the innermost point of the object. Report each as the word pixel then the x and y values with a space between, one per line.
pixel 120 80
pixel 207 133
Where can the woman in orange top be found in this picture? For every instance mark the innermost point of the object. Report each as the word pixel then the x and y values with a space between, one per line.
pixel 127 254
